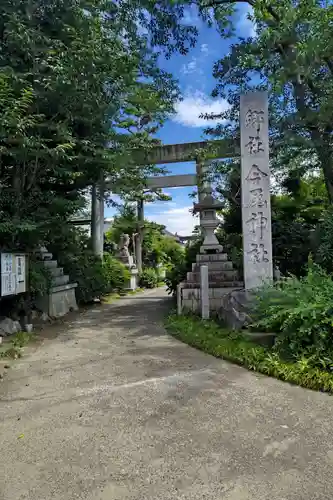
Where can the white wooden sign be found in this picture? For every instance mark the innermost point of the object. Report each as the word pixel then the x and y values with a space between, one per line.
pixel 13 274
pixel 8 278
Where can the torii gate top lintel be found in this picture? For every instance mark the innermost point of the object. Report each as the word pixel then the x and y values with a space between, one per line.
pixel 188 151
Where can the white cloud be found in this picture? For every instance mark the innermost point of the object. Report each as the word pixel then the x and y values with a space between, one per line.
pixel 245 26
pixel 191 16
pixel 177 220
pixel 204 48
pixel 191 67
pixel 189 109
pixel 195 64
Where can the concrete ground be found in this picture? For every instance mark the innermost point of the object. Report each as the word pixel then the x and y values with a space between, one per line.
pixel 115 409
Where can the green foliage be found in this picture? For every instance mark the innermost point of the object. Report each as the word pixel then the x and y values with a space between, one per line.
pixel 291 235
pixel 157 248
pixel 296 211
pixel 17 342
pixel 210 337
pixel 10 352
pixel 171 252
pixel 175 275
pixel 177 272
pixel 290 56
pixel 86 270
pixel 300 312
pixel 95 277
pixel 323 240
pixel 40 278
pixel 148 278
pixel 21 339
pixel 117 275
pixel 81 95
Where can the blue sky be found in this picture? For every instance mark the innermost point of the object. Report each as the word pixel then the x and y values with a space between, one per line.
pixel 194 73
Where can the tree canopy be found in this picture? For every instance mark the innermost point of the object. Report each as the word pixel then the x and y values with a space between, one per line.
pixel 291 57
pixel 157 247
pixel 80 92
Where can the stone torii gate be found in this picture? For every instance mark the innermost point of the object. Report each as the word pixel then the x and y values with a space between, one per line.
pixel 255 182
pixel 170 153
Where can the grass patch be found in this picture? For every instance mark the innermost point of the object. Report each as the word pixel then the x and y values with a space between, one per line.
pixel 109 299
pixel 13 345
pixel 210 337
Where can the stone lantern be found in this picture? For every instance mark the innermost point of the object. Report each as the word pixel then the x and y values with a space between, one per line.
pixel 208 222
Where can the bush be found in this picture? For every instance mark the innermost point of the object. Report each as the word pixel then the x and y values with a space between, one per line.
pixel 323 240
pixel 174 276
pixel 211 338
pixel 177 273
pixel 86 269
pixel 40 278
pixel 116 273
pixel 300 311
pixel 148 278
pixel 94 277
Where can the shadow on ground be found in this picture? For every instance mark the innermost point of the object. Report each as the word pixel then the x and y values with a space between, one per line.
pixel 139 315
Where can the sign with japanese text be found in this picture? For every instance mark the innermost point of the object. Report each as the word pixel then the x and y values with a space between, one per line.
pixel 13 274
pixel 255 177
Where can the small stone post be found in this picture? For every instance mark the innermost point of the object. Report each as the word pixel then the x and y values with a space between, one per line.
pixel 139 240
pixel 179 299
pixel 97 218
pixel 255 178
pixel 204 292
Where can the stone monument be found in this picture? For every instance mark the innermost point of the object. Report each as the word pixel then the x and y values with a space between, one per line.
pixel 124 256
pixel 256 209
pixel 198 293
pixel 255 178
pixel 123 251
pixel 227 295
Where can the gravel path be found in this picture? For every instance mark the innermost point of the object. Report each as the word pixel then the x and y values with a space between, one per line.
pixel 115 409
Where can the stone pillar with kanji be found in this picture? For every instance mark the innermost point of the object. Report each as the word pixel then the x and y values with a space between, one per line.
pixel 255 181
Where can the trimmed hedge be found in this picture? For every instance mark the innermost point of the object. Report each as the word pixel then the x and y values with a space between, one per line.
pixel 210 337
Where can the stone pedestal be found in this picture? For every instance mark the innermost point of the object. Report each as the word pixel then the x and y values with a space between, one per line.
pixel 61 298
pixel 132 284
pixel 222 279
pixel 59 301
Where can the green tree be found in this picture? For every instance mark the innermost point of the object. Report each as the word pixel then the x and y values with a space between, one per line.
pixel 74 78
pixel 297 210
pixel 157 248
pixel 291 57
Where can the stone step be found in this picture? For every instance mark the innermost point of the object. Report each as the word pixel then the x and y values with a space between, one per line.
pixel 46 256
pixel 60 280
pixel 218 276
pixel 213 266
pixel 220 257
pixel 215 284
pixel 56 271
pixel 213 293
pixel 43 254
pixel 51 263
pixel 62 288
